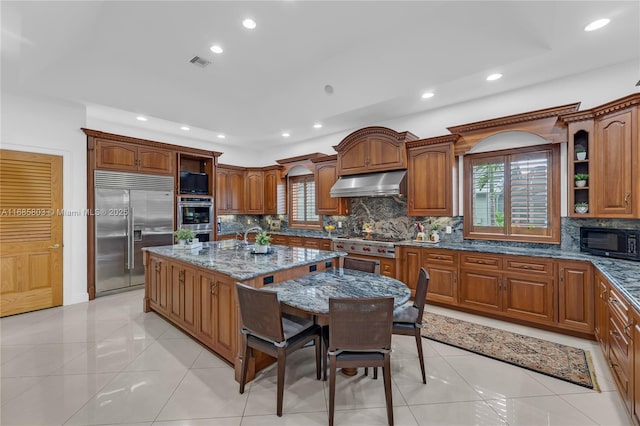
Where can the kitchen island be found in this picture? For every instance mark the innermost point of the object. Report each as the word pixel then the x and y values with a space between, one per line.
pixel 195 288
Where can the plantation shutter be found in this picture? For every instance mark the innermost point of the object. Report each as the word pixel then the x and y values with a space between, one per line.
pixel 303 200
pixel 529 174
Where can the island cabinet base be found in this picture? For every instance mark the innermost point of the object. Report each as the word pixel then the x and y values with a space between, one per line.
pixel 202 303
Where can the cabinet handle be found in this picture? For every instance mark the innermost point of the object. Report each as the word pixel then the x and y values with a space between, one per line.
pixel 627 198
pixel 455 278
pixel 213 287
pixel 602 293
pixel 157 267
pixel 612 300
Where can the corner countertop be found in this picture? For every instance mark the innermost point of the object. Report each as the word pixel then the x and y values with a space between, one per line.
pixel 241 264
pixel 624 274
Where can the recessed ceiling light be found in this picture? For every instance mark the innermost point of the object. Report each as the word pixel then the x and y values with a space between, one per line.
pixel 249 23
pixel 141 118
pixel 317 126
pixel 427 95
pixel 596 25
pixel 216 49
pixel 285 135
pixel 494 77
pixel 221 136
pixel 185 128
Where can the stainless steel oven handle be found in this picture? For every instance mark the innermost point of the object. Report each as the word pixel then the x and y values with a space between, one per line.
pixel 130 238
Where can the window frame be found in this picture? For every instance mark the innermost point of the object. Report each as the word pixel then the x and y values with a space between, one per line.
pixel 549 235
pixel 306 224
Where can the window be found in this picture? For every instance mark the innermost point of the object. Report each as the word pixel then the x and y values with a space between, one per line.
pixel 302 202
pixel 513 195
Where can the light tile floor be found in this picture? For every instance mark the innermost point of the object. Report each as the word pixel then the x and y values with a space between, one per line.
pixel 107 362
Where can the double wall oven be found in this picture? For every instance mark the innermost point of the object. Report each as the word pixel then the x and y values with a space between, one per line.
pixel 378 249
pixel 196 213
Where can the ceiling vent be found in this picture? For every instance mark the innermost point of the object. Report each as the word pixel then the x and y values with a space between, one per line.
pixel 201 62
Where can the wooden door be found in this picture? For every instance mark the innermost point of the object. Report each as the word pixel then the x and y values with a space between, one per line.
pixel 326 176
pixel 528 297
pixel 430 181
pixel 273 193
pixel 158 284
pixel 602 311
pixel 254 192
pixel 576 309
pixel 116 156
pixel 30 231
pixel 222 194
pixel 226 327
pixel 205 324
pixel 385 154
pixel 480 290
pixel 636 369
pixel 155 160
pixel 354 159
pixel 442 266
pixel 411 262
pixel 615 163
pixel 235 188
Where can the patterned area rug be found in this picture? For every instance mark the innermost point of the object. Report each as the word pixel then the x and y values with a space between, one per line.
pixel 553 359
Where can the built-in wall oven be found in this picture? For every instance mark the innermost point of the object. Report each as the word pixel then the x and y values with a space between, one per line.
pixel 196 213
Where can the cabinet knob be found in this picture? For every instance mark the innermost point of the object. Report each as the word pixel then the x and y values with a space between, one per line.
pixel 627 198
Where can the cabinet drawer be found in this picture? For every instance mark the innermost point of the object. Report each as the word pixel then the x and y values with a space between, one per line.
pixel 618 306
pixel 619 339
pixel 528 265
pixel 620 372
pixel 481 261
pixel 443 257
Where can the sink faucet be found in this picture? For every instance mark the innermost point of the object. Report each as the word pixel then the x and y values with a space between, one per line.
pixel 254 228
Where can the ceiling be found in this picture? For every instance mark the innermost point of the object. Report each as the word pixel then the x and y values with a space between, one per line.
pixel 129 58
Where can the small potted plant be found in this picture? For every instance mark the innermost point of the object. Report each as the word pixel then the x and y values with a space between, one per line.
pixel 581 153
pixel 262 242
pixel 434 237
pixel 581 179
pixel 184 236
pixel 581 207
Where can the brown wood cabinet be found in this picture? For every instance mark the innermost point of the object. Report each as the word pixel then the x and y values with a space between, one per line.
pixel 127 157
pixel 620 345
pixel 229 190
pixel 158 284
pixel 442 266
pixel 326 174
pixel 183 295
pixel 254 192
pixel 432 177
pixel 372 149
pixel 275 194
pixel 515 286
pixel 635 405
pixel 410 264
pixel 616 164
pixel 609 133
pixel 576 296
pixel 601 330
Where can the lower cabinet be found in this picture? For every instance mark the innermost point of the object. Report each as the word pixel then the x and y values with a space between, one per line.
pixel 635 406
pixel 601 330
pixel 575 296
pixel 442 266
pixel 201 303
pixel 183 295
pixel 620 347
pixel 410 264
pixel 158 285
pixel 217 325
pixel 388 267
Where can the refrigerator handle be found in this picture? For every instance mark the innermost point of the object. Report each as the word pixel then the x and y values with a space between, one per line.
pixel 130 238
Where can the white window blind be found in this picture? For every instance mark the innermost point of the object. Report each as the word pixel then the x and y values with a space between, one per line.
pixel 303 200
pixel 529 190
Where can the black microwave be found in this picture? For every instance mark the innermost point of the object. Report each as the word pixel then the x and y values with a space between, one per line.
pixel 610 242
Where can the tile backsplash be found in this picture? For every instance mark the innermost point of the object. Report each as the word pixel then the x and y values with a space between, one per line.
pixel 389 218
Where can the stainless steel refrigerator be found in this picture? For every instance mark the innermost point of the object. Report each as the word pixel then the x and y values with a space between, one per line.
pixel 132 211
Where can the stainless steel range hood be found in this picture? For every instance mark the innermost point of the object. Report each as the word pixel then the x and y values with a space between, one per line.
pixel 370 185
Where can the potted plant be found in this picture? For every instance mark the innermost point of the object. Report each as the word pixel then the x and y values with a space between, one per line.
pixel 262 242
pixel 434 237
pixel 581 153
pixel 581 179
pixel 184 236
pixel 581 207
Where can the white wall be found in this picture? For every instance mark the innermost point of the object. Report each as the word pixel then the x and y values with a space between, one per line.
pixel 591 89
pixel 52 127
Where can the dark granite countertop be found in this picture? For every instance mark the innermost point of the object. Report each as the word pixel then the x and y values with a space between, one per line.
pixel 242 264
pixel 312 292
pixel 624 274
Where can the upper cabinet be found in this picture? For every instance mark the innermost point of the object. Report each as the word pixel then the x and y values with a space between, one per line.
pixel 229 190
pixel 275 193
pixel 326 174
pixel 128 157
pixel 608 134
pixel 432 177
pixel 254 191
pixel 372 149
